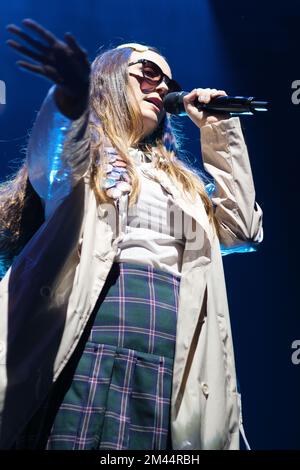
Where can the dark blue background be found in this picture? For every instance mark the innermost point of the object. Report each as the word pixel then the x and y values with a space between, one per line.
pixel 249 48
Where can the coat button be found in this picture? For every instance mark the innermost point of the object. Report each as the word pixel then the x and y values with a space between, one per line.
pixel 204 388
pixel 100 257
pixel 186 342
pixel 1 346
pixel 45 291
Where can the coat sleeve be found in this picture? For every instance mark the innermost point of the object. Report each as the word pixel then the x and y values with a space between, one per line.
pixel 58 153
pixel 225 158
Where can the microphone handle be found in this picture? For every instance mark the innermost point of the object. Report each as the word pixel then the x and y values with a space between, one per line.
pixel 233 104
pixel 224 104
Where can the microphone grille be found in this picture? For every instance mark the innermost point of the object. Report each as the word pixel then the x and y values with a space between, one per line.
pixel 173 102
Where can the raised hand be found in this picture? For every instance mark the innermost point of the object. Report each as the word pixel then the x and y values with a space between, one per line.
pixel 63 62
pixel 204 95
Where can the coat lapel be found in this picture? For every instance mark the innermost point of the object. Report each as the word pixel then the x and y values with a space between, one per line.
pixel 192 296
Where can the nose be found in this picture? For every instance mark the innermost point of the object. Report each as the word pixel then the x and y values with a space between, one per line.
pixel 162 88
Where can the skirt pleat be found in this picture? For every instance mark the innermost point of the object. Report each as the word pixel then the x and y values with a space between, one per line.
pixel 120 392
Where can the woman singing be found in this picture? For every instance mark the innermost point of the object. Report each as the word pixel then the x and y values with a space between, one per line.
pixel 115 330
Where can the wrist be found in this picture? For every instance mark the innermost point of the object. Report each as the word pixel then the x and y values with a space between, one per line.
pixel 69 105
pixel 214 118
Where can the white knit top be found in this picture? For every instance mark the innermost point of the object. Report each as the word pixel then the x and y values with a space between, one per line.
pixel 151 236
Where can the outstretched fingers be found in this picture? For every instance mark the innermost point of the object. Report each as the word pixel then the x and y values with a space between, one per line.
pixel 44 70
pixel 63 62
pixel 12 28
pixel 73 44
pixel 43 32
pixel 25 51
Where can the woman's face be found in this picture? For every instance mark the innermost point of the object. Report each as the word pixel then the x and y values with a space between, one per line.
pixel 150 102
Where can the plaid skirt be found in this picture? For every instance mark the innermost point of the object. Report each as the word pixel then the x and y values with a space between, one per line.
pixel 115 393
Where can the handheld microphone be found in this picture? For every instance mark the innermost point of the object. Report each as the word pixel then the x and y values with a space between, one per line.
pixel 173 103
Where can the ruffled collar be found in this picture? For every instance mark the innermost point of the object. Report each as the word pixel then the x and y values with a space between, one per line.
pixel 139 156
pixel 117 180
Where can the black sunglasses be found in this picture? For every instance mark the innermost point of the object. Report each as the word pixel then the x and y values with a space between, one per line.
pixel 153 76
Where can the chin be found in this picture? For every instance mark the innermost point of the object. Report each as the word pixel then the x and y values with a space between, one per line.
pixel 150 124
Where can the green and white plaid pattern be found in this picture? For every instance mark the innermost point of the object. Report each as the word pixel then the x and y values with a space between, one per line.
pixel 119 395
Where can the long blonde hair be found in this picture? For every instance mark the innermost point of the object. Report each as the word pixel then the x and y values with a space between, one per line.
pixel 114 114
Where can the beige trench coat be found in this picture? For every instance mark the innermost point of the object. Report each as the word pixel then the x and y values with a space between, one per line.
pixel 49 292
